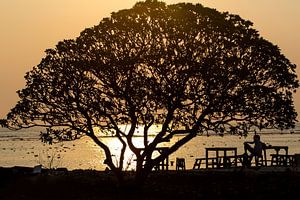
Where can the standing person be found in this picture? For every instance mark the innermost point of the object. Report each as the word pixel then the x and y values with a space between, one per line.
pixel 255 150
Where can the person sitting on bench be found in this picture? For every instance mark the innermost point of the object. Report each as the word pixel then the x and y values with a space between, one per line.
pixel 255 150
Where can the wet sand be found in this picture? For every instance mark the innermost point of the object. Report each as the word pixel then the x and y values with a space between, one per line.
pixel 17 183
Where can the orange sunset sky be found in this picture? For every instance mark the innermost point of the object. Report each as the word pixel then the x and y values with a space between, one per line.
pixel 29 27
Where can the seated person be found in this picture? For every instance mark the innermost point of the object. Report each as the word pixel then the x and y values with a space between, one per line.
pixel 256 150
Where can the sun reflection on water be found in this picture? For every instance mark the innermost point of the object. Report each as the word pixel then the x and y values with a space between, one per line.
pixel 115 145
pixel 129 157
pixel 24 148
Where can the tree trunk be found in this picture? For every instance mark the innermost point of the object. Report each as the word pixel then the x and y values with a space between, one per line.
pixel 118 175
pixel 141 176
pixel 142 172
pixel 128 182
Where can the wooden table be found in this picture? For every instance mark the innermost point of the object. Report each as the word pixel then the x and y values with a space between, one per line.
pixel 221 156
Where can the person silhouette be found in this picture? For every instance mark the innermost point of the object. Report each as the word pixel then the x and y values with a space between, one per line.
pixel 254 150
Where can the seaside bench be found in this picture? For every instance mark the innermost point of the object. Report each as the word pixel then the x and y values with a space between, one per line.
pixel 198 162
pixel 228 161
pixel 162 165
pixel 213 162
pixel 282 160
pixel 218 162
pixel 296 160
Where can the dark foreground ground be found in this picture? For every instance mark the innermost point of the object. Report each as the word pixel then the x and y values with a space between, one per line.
pixel 88 184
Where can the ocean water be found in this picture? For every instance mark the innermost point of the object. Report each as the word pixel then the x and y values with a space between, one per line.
pixel 24 148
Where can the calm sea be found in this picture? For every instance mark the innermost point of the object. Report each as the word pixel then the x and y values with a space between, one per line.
pixel 23 148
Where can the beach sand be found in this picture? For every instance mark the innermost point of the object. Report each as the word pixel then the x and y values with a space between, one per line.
pixel 204 184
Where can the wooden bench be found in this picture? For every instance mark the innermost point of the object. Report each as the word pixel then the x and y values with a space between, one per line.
pixel 218 162
pixel 282 160
pixel 162 166
pixel 211 162
pixel 229 161
pixel 198 162
pixel 296 160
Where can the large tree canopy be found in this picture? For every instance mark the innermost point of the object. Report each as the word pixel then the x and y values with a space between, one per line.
pixel 186 67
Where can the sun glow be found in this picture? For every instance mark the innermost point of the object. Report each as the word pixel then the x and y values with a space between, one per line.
pixel 115 146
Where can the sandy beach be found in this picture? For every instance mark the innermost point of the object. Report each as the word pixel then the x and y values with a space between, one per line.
pixel 203 184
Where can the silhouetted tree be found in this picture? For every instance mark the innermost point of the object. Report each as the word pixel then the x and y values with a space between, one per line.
pixel 185 67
